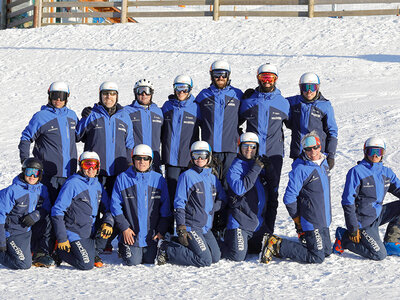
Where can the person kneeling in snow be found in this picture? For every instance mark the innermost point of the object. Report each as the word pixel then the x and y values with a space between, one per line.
pixel 22 204
pixel 74 215
pixel 364 191
pixel 141 208
pixel 199 195
pixel 307 199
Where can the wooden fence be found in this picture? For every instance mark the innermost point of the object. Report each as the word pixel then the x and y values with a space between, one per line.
pixel 48 12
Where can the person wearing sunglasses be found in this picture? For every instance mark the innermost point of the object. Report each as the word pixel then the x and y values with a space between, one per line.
pixel 311 111
pixel 52 130
pixel 307 199
pixel 141 209
pixel 22 204
pixel 75 212
pixel 199 195
pixel 365 189
pixel 180 129
pixel 147 119
pixel 265 110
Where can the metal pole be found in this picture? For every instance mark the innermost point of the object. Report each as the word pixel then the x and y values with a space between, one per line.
pixel 311 8
pixel 124 10
pixel 216 10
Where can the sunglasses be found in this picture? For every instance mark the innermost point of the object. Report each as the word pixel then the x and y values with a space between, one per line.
pixel 267 77
pixel 181 88
pixel 86 164
pixel 218 74
pixel 58 95
pixel 140 158
pixel 311 148
pixel 143 89
pixel 374 151
pixel 32 172
pixel 245 146
pixel 305 87
pixel 109 93
pixel 200 155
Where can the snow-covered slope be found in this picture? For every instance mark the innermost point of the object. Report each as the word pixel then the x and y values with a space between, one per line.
pixel 358 60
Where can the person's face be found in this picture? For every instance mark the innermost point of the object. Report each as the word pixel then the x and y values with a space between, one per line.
pixel 90 172
pixel 313 152
pixel 248 149
pixel 267 81
pixel 181 91
pixel 200 162
pixel 90 167
pixel 109 98
pixel 144 99
pixel 220 78
pixel 58 99
pixel 309 95
pixel 374 155
pixel 200 158
pixel 142 163
pixel 30 177
pixel 309 90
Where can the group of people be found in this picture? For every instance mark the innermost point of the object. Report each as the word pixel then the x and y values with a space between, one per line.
pixel 222 153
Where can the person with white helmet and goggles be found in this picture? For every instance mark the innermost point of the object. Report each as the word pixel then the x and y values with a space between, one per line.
pixel 141 209
pixel 365 189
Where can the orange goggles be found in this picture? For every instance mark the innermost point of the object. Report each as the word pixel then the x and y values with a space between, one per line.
pixel 86 164
pixel 267 77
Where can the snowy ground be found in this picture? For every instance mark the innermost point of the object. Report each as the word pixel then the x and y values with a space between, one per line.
pixel 358 60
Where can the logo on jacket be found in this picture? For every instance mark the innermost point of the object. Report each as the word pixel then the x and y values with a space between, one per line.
pixel 136 119
pixel 22 204
pixel 368 185
pixel 316 114
pixel 53 128
pixel 84 199
pixel 121 127
pixel 313 178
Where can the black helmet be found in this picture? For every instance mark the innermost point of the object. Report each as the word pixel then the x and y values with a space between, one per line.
pixel 33 162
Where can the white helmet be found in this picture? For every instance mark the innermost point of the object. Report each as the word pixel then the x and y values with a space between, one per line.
pixel 375 142
pixel 184 79
pixel 249 137
pixel 309 78
pixel 108 86
pixel 267 68
pixel 58 86
pixel 143 150
pixel 144 82
pixel 220 65
pixel 89 155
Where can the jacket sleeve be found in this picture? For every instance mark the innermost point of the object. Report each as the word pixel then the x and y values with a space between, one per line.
pixel 394 187
pixel 181 200
pixel 350 192
pixel 295 184
pixel 331 130
pixel 107 218
pixel 116 207
pixel 129 142
pixel 221 200
pixel 240 182
pixel 165 210
pixel 29 135
pixel 81 129
pixel 6 204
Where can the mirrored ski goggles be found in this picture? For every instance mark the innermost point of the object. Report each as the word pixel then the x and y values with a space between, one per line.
pixel 140 158
pixel 305 87
pixel 312 148
pixel 374 151
pixel 58 95
pixel 86 164
pixel 32 172
pixel 143 89
pixel 200 155
pixel 181 88
pixel 267 77
pixel 109 93
pixel 251 146
pixel 220 73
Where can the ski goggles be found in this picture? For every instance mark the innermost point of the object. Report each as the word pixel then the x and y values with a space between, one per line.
pixel 58 95
pixel 32 172
pixel 220 73
pixel 267 77
pixel 312 148
pixel 140 158
pixel 109 93
pixel 200 155
pixel 181 88
pixel 86 164
pixel 305 87
pixel 248 146
pixel 374 151
pixel 143 89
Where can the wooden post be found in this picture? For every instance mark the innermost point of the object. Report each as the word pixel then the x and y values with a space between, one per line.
pixel 216 10
pixel 311 8
pixel 3 20
pixel 37 14
pixel 124 10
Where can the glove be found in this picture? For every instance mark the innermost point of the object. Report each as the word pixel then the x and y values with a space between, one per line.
pixel 86 112
pixel 259 162
pixel 355 236
pixel 65 246
pixel 27 221
pixel 265 160
pixel 106 231
pixel 248 93
pixel 331 162
pixel 299 230
pixel 183 235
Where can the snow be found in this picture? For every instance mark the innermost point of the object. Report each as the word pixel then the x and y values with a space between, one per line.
pixel 358 60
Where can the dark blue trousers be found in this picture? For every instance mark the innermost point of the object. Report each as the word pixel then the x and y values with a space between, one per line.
pixel 81 255
pixel 202 251
pixel 235 244
pixel 133 256
pixel 318 246
pixel 18 254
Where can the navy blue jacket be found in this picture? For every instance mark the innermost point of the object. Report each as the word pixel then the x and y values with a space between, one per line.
pixel 53 131
pixel 140 201
pixel 366 186
pixel 306 116
pixel 265 114
pixel 199 194
pixel 76 207
pixel 308 193
pixel 180 130
pixel 219 112
pixel 110 137
pixel 247 200
pixel 147 123
pixel 18 200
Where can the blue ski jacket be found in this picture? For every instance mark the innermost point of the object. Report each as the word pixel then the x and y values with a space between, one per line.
pixel 147 123
pixel 111 137
pixel 247 201
pixel 180 130
pixel 53 131
pixel 219 112
pixel 265 114
pixel 199 194
pixel 366 186
pixel 140 201
pixel 76 208
pixel 19 200
pixel 306 116
pixel 308 193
